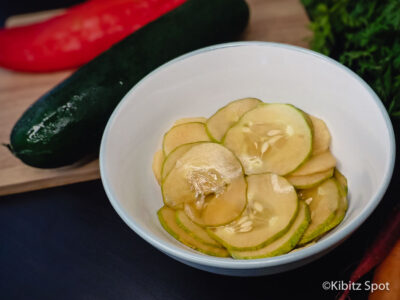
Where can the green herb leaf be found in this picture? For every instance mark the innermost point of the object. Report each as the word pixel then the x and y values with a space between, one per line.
pixel 365 36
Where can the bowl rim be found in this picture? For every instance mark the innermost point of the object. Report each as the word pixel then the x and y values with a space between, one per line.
pixel 197 258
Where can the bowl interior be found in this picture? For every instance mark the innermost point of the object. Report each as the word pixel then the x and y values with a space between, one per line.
pixel 200 83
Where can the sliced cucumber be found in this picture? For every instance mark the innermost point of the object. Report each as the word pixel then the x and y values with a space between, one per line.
pixel 304 246
pixel 321 138
pixel 343 204
pixel 340 213
pixel 184 134
pixel 285 243
pixel 167 219
pixel 309 181
pixel 222 209
pixel 323 201
pixel 342 180
pixel 219 123
pixel 190 120
pixel 271 138
pixel 195 230
pixel 158 160
pixel 172 158
pixel 271 210
pixel 208 183
pixel 317 164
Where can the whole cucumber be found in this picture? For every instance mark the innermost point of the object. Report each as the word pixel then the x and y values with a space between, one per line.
pixel 66 123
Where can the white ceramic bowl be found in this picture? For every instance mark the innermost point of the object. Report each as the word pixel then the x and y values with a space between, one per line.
pixel 199 83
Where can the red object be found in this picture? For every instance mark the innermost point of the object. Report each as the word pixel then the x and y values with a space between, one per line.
pixel 379 249
pixel 77 36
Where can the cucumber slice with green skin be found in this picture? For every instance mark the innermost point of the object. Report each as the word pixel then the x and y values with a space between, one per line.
pixel 208 183
pixel 171 159
pixel 309 181
pixel 272 138
pixel 195 230
pixel 167 219
pixel 271 210
pixel 340 213
pixel 321 136
pixel 184 134
pixel 325 201
pixel 220 209
pixel 285 243
pixel 343 204
pixel 190 120
pixel 304 246
pixel 219 123
pixel 158 161
pixel 316 164
pixel 342 180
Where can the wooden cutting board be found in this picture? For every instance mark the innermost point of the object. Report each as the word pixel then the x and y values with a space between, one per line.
pixel 282 21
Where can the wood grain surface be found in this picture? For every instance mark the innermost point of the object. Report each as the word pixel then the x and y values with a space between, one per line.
pixel 282 21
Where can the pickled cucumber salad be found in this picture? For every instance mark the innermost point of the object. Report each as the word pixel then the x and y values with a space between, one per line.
pixel 254 180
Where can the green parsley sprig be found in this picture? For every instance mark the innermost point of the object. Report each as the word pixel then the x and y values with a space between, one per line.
pixel 365 36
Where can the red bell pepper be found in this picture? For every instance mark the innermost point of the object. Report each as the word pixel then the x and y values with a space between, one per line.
pixel 78 35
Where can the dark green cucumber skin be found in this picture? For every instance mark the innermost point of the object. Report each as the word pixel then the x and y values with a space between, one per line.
pixel 67 123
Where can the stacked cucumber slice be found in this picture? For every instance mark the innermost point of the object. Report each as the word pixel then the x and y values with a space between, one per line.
pixel 254 180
